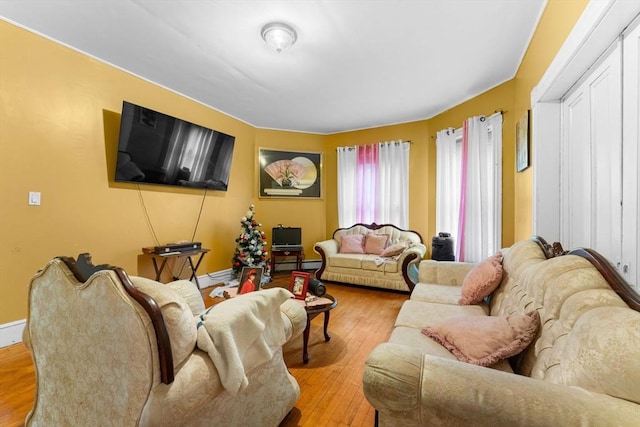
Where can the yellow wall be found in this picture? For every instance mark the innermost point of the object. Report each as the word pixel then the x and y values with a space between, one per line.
pixel 555 25
pixel 59 120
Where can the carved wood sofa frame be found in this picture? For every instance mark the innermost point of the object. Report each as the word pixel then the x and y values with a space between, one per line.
pixel 604 267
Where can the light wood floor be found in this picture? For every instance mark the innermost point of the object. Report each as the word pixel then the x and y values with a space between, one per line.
pixel 331 383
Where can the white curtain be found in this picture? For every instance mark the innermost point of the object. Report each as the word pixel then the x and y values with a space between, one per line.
pixel 373 184
pixel 393 184
pixel 480 220
pixel 448 157
pixel 469 186
pixel 347 167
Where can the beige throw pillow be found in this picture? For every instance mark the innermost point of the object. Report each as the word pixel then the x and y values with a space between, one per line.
pixel 485 340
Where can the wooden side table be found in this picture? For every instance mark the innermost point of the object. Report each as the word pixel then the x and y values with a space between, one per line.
pixel 199 253
pixel 298 253
pixel 312 312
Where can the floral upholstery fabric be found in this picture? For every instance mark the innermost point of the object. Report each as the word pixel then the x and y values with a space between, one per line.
pixel 112 357
pixel 581 369
pixel 95 334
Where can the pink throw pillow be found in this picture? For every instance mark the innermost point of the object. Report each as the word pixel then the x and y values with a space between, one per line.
pixel 497 257
pixel 393 250
pixel 481 281
pixel 485 340
pixel 352 244
pixel 375 243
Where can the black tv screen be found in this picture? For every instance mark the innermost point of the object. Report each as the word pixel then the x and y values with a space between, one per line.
pixel 155 148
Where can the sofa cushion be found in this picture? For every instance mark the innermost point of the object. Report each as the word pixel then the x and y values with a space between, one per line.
pixel 190 293
pixel 376 263
pixel 375 243
pixel 178 318
pixel 347 260
pixel 441 294
pixel 483 279
pixel 403 335
pixel 484 341
pixel 417 314
pixel 352 244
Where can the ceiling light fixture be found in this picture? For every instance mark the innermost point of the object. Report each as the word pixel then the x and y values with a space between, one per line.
pixel 279 36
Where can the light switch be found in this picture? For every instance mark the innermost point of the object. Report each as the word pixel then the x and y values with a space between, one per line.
pixel 34 198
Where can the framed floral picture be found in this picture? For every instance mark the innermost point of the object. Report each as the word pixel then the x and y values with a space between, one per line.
pixel 289 174
pixel 250 279
pixel 299 284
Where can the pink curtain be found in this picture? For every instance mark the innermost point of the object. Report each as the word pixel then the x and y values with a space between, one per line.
pixel 366 182
pixel 463 193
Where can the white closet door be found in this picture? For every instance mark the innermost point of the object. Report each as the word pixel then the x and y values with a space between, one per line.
pixel 631 156
pixel 591 150
pixel 575 200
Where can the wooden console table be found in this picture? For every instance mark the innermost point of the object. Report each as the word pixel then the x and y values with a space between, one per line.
pixel 199 253
pixel 298 253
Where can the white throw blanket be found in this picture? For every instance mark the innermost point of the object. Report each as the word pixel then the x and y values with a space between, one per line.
pixel 242 333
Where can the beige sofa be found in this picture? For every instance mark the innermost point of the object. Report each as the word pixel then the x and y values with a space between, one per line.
pixel 110 349
pixel 370 269
pixel 582 369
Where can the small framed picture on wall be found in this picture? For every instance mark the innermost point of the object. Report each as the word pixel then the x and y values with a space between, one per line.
pixel 299 284
pixel 522 142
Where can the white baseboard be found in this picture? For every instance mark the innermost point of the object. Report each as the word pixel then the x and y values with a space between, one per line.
pixel 291 265
pixel 312 265
pixel 11 333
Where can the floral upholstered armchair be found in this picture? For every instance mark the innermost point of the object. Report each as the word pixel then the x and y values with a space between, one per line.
pixel 127 351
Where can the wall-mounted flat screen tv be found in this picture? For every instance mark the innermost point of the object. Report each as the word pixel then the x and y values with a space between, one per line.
pixel 156 148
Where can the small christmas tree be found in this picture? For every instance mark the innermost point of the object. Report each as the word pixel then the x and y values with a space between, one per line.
pixel 250 245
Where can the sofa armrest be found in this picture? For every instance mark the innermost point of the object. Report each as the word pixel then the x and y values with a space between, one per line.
pixel 329 247
pixel 295 317
pixel 410 388
pixel 443 272
pixel 416 248
pixel 325 249
pixel 408 260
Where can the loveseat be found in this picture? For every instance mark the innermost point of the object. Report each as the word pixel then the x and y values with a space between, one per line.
pixel 582 367
pixel 382 256
pixel 110 349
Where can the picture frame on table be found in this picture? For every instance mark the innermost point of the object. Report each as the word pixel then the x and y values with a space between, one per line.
pixel 522 142
pixel 289 174
pixel 250 279
pixel 299 284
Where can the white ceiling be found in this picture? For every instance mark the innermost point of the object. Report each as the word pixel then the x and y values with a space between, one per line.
pixel 356 64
